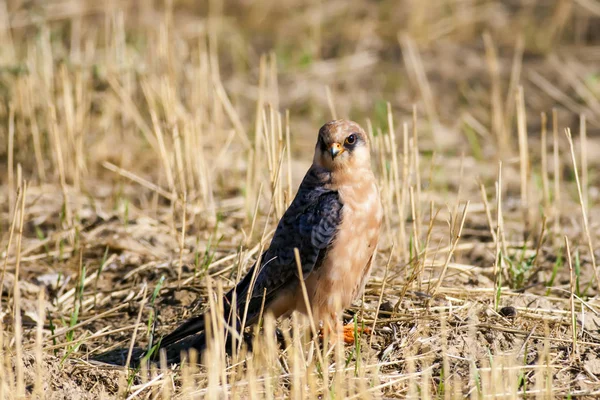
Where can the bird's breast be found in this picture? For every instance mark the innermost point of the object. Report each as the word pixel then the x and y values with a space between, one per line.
pixel 347 264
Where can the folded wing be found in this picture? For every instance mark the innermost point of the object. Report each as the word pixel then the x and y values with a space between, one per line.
pixel 310 225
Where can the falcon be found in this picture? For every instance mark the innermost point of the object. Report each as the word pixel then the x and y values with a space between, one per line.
pixel 333 222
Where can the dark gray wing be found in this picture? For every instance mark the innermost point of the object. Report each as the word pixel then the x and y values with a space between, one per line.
pixel 310 225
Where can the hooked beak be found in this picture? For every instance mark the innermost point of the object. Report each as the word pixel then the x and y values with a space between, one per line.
pixel 335 149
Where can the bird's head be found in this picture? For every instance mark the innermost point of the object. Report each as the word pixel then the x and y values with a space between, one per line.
pixel 342 145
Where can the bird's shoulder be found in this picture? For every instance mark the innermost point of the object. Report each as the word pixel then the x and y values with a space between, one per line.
pixel 314 199
pixel 311 221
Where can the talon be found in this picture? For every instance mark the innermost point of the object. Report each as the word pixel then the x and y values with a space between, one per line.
pixel 349 332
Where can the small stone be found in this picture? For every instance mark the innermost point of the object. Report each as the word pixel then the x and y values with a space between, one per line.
pixel 508 312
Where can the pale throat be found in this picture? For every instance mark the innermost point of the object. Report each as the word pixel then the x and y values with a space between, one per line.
pixel 355 176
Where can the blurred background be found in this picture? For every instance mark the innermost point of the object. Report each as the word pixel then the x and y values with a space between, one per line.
pixel 459 61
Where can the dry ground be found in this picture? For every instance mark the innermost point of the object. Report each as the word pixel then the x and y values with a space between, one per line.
pixel 148 148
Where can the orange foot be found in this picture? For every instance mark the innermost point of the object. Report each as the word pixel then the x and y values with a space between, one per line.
pixel 349 337
pixel 347 334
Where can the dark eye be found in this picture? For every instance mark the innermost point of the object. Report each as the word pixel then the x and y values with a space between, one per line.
pixel 350 140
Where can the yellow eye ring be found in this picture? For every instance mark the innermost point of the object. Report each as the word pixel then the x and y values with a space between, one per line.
pixel 350 140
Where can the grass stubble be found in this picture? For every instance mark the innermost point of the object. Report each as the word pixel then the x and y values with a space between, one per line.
pixel 145 196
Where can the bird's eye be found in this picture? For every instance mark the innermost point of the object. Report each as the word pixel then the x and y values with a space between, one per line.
pixel 350 140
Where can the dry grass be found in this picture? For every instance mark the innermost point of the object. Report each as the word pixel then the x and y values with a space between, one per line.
pixel 149 149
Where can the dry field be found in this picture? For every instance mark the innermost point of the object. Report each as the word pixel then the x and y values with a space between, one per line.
pixel 148 148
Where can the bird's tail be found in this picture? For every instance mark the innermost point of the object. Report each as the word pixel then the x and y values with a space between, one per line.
pixel 190 327
pixel 195 326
